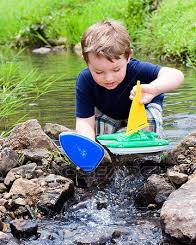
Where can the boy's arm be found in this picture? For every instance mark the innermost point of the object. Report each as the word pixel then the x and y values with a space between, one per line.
pixel 167 80
pixel 86 127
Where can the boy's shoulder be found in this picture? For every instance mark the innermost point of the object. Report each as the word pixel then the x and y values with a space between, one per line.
pixel 143 67
pixel 85 79
pixel 85 73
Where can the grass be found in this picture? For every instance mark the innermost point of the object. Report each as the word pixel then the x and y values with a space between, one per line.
pixel 171 32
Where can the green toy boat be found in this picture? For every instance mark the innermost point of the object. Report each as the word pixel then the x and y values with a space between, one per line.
pixel 139 142
pixel 134 140
pixel 105 139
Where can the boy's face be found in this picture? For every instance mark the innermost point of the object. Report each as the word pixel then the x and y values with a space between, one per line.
pixel 106 73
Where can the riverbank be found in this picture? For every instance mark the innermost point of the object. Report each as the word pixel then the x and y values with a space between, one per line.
pixel 35 23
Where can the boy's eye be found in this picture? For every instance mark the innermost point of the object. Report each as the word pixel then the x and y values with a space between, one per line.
pixel 116 70
pixel 98 72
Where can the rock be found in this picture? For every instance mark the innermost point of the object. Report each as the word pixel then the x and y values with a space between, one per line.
pixel 1 142
pixel 42 50
pixel 56 190
pixel 7 239
pixel 95 238
pixel 176 177
pixel 23 228
pixel 53 130
pixel 3 210
pixel 20 201
pixel 182 168
pixel 156 190
pixel 2 188
pixel 184 152
pixel 8 160
pixel 26 171
pixel 58 48
pixel 29 135
pixel 178 214
pixel 1 225
pixel 33 155
pixel 58 42
pixel 78 49
pixel 25 187
pixel 102 204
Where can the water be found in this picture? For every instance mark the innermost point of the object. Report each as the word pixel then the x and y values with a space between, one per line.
pixel 111 209
pixel 106 212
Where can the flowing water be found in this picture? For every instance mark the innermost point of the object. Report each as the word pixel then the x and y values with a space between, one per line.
pixel 112 208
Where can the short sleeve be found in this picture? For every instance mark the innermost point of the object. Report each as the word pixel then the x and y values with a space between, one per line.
pixel 148 72
pixel 84 95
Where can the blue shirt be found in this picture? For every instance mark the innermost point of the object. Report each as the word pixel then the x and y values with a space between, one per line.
pixel 114 103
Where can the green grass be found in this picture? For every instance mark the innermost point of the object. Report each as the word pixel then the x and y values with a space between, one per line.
pixel 75 18
pixel 18 16
pixel 171 32
pixel 168 32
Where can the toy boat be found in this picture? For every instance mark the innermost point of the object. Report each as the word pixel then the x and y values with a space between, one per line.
pixel 134 140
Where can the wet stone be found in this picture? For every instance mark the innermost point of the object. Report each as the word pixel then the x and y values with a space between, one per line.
pixel 52 200
pixel 2 188
pixel 23 228
pixel 102 204
pixel 7 239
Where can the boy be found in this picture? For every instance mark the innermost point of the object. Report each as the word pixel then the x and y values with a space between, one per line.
pixel 105 89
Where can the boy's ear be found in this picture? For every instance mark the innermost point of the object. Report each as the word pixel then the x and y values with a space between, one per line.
pixel 130 55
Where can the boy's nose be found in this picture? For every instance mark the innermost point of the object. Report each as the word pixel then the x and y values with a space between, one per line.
pixel 109 78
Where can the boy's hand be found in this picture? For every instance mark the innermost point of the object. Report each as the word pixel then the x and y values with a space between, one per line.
pixel 149 91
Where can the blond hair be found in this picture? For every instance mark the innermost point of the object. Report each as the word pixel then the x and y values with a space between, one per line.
pixel 108 38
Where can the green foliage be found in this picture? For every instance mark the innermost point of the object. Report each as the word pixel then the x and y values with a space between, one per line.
pixel 168 32
pixel 17 16
pixel 75 18
pixel 171 31
pixel 137 13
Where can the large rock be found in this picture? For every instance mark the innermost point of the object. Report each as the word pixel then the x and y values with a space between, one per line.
pixel 178 214
pixel 28 135
pixel 185 152
pixel 56 190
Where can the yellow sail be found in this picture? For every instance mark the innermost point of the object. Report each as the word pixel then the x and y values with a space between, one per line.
pixel 137 116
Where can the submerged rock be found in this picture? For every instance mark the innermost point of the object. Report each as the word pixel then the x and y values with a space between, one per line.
pixel 23 228
pixel 7 239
